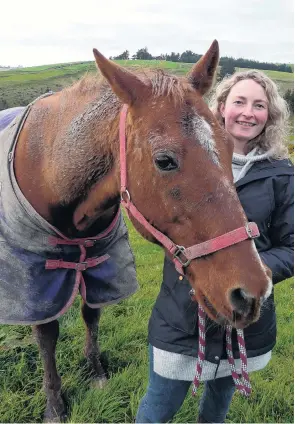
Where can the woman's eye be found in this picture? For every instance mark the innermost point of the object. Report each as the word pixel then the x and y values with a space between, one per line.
pixel 238 102
pixel 166 163
pixel 260 106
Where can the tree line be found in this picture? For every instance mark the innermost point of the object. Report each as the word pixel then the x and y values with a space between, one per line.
pixel 190 57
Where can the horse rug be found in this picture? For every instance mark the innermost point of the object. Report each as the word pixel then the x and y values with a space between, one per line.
pixel 33 287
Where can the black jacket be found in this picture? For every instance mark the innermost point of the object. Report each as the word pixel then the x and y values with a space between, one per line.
pixel 267 195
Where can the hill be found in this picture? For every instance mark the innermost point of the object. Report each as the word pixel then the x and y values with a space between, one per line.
pixel 19 87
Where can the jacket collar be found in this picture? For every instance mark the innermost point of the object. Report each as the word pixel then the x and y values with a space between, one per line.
pixel 265 169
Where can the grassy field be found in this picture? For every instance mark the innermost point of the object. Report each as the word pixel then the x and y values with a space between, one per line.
pixel 123 332
pixel 21 86
pixel 284 80
pixel 123 337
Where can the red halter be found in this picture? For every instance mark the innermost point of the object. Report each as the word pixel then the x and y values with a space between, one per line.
pixel 182 256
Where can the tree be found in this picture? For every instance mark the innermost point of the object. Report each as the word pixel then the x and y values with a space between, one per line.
pixel 228 68
pixel 142 54
pixel 160 57
pixel 124 55
pixel 173 57
pixel 189 57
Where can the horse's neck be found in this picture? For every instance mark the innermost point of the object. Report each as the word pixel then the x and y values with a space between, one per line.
pixel 65 165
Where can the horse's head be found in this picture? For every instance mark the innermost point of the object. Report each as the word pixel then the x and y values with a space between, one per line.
pixel 180 179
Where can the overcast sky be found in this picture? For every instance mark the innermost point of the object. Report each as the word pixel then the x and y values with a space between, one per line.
pixel 53 31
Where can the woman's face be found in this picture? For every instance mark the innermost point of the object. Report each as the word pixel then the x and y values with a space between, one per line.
pixel 245 110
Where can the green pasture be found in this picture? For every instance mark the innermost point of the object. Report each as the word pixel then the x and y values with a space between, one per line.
pixel 21 86
pixel 123 338
pixel 284 80
pixel 275 75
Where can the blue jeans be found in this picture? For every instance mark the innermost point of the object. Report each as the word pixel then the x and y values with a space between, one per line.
pixel 164 398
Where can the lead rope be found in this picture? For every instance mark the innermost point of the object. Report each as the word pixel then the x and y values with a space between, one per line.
pixel 242 384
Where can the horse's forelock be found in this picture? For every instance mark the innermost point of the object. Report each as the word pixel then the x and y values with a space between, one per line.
pixel 164 84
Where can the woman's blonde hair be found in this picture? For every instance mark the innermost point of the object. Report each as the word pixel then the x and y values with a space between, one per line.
pixel 274 135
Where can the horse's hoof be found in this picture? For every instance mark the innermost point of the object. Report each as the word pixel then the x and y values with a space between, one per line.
pixel 99 383
pixel 54 418
pixel 55 413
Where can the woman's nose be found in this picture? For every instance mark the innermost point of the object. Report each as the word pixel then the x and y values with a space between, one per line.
pixel 248 111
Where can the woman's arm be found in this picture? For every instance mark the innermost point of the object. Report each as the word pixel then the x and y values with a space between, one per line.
pixel 280 258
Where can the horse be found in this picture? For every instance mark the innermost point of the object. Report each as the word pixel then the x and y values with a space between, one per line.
pixel 171 169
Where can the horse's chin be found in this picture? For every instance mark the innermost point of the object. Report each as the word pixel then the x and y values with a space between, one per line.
pixel 232 318
pixel 212 313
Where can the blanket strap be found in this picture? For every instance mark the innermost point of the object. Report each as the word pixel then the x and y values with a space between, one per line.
pixel 78 266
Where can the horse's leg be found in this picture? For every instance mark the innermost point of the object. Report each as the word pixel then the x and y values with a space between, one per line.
pixel 47 335
pixel 92 352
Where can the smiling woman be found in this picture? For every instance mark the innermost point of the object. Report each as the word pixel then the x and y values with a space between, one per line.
pixel 245 117
pixel 263 103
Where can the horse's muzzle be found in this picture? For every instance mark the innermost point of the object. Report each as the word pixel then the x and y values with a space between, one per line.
pixel 245 307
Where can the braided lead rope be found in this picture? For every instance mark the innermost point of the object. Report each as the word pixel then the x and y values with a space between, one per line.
pixel 243 385
pixel 201 350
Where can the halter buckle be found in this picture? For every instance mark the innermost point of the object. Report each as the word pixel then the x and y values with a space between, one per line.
pixel 81 266
pixel 89 243
pixel 249 232
pixel 125 192
pixel 180 250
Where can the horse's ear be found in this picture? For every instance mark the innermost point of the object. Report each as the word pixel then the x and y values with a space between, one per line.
pixel 125 84
pixel 202 74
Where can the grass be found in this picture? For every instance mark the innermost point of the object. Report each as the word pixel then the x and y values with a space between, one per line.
pixel 284 80
pixel 275 75
pixel 21 86
pixel 123 339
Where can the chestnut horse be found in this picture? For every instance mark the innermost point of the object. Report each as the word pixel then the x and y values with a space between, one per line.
pixel 178 168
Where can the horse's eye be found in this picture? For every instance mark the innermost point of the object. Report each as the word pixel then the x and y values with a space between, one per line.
pixel 166 162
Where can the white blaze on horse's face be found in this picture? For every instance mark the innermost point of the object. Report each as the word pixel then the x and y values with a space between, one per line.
pixel 204 135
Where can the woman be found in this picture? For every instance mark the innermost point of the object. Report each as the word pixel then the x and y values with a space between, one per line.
pixel 255 116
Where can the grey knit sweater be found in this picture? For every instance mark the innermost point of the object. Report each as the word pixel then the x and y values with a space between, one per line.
pixel 242 163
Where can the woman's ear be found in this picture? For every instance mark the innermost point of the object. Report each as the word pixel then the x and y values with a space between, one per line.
pixel 221 109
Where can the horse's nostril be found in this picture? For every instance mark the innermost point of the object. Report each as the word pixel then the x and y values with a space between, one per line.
pixel 241 301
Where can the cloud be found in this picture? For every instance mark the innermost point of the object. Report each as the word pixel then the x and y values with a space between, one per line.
pixel 32 34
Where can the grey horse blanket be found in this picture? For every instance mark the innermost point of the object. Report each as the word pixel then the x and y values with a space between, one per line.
pixel 33 288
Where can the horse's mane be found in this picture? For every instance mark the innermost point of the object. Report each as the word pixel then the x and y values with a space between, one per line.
pixel 160 82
